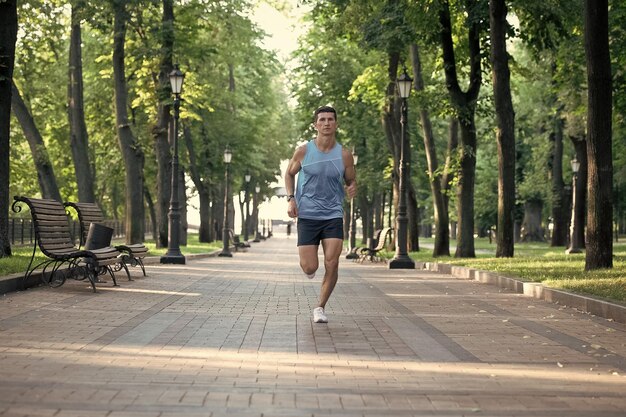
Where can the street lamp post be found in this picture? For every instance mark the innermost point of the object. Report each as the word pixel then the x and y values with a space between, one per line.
pixel 228 155
pixel 402 260
pixel 247 200
pixel 174 255
pixel 257 237
pixel 352 252
pixel 574 245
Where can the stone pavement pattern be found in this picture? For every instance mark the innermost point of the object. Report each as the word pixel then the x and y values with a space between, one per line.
pixel 234 337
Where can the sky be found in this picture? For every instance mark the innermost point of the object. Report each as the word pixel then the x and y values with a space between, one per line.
pixel 283 27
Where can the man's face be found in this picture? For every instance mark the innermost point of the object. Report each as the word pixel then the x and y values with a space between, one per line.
pixel 326 123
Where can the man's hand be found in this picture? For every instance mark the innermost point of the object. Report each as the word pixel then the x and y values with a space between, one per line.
pixel 351 189
pixel 292 208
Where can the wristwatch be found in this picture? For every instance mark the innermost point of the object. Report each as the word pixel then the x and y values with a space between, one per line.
pixel 289 197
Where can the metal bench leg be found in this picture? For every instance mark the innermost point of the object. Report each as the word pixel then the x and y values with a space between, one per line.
pixel 143 269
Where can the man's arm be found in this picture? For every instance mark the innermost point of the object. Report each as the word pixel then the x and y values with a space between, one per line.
pixel 290 179
pixel 349 174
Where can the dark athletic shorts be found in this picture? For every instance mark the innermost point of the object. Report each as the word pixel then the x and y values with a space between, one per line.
pixel 310 232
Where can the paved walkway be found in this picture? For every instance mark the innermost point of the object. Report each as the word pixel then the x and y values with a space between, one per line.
pixel 234 337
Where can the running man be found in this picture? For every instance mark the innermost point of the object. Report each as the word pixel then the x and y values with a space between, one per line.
pixel 317 203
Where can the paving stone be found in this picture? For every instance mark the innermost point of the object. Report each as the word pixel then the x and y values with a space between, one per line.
pixel 234 337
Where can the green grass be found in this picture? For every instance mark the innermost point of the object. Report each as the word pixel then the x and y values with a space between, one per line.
pixel 540 263
pixel 193 246
pixel 21 254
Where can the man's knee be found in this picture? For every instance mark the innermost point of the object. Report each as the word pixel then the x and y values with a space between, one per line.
pixel 331 263
pixel 309 267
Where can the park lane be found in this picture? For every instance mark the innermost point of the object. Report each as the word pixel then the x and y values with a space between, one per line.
pixel 234 336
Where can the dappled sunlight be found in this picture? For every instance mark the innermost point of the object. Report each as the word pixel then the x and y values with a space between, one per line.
pixel 137 290
pixel 145 359
pixel 245 273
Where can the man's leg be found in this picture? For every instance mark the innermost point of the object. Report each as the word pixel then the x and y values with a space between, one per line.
pixel 308 258
pixel 332 250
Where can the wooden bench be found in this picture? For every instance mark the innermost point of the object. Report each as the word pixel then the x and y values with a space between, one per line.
pixel 91 213
pixel 371 253
pixel 53 237
pixel 237 243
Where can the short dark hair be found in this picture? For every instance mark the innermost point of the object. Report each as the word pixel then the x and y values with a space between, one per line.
pixel 324 109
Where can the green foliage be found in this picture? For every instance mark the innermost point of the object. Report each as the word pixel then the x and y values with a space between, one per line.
pixel 210 39
pixel 341 61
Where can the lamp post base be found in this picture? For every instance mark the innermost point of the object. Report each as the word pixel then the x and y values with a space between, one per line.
pixel 402 262
pixel 225 253
pixel 173 259
pixel 352 254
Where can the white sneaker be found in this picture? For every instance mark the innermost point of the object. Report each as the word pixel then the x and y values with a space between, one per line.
pixel 319 316
pixel 310 276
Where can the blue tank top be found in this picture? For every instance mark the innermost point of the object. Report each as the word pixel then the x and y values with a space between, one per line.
pixel 320 191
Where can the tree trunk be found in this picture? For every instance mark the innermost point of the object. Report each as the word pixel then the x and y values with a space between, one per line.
pixel 599 253
pixel 182 198
pixel 413 213
pixel 130 148
pixel 505 134
pixel 448 174
pixel 391 126
pixel 218 212
pixel 531 226
pixel 205 234
pixel 465 190
pixel 79 140
pixel 242 207
pixel 160 129
pixel 152 212
pixel 560 196
pixel 367 212
pixel 465 105
pixel 45 172
pixel 8 37
pixel 442 228
pixel 580 199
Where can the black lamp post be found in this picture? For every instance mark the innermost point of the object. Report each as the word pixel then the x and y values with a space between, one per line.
pixel 257 237
pixel 174 255
pixel 574 240
pixel 246 226
pixel 352 252
pixel 228 155
pixel 402 260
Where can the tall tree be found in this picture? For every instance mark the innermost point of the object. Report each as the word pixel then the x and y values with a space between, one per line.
pixel 561 197
pixel 160 128
pixel 465 105
pixel 131 149
pixel 442 223
pixel 8 37
pixel 79 140
pixel 505 133
pixel 43 165
pixel 599 253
